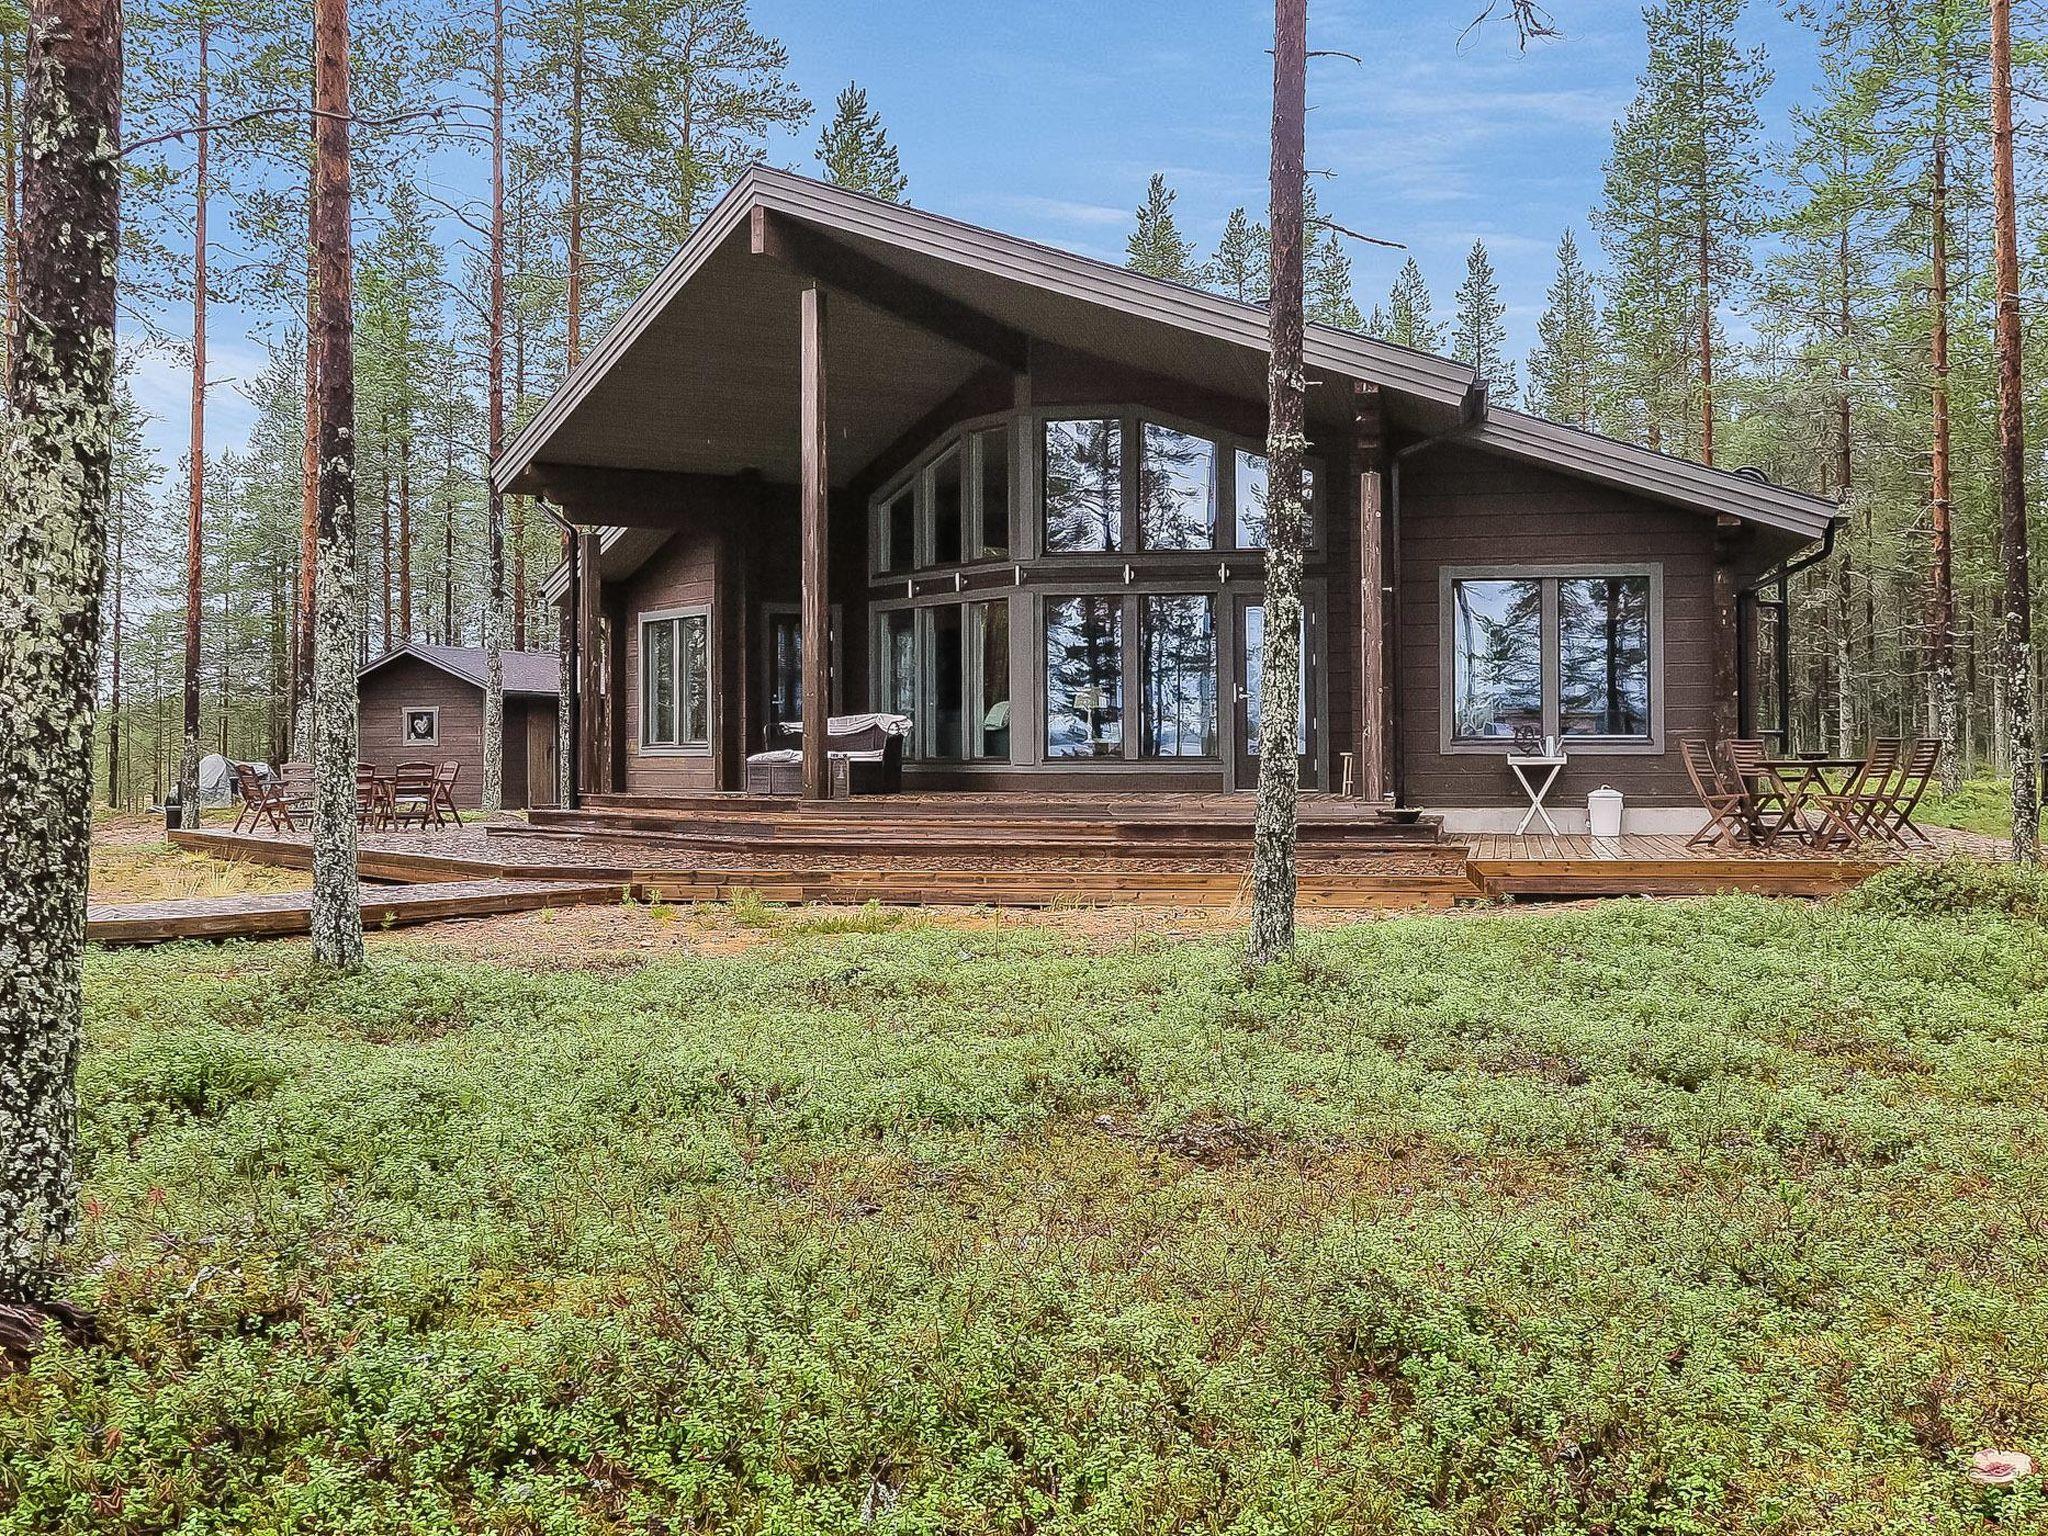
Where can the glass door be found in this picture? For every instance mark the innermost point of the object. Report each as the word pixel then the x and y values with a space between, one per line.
pixel 1249 670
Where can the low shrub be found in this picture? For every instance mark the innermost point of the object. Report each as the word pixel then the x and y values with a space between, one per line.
pixel 1953 886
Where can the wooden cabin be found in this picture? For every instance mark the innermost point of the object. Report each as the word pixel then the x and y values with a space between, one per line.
pixel 425 703
pixel 844 456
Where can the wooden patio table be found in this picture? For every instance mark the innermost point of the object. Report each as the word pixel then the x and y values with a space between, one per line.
pixel 1797 780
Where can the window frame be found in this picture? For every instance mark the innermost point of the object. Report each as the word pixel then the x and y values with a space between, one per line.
pixel 917 478
pixel 676 615
pixel 405 714
pixel 1548 576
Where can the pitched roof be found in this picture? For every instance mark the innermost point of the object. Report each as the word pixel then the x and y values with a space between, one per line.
pixel 538 673
pixel 615 405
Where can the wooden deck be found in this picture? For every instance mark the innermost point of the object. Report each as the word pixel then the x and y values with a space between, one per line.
pixel 1050 852
pixel 280 914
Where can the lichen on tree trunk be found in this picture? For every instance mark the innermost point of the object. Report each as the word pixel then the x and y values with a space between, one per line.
pixel 337 913
pixel 55 473
pixel 1274 820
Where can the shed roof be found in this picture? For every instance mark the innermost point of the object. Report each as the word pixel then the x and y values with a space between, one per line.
pixel 700 374
pixel 537 673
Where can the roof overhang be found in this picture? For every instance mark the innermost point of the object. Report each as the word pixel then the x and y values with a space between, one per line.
pixel 700 375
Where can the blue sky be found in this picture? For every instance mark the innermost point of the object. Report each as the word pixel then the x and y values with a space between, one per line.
pixel 1046 117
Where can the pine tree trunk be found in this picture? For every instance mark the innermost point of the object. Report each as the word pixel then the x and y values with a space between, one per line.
pixel 405 528
pixel 120 586
pixel 10 208
pixel 384 529
pixel 337 918
pixel 494 428
pixel 195 510
pixel 574 296
pixel 2016 681
pixel 55 480
pixel 1941 590
pixel 309 490
pixel 1274 826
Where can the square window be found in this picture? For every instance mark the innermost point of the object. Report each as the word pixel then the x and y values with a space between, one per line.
pixel 423 726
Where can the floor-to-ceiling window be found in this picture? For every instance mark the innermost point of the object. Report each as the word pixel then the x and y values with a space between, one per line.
pixel 1117 545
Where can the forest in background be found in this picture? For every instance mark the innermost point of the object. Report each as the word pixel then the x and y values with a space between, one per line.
pixel 1811 299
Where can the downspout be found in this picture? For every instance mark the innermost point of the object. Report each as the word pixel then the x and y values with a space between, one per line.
pixel 572 791
pixel 1471 415
pixel 1778 576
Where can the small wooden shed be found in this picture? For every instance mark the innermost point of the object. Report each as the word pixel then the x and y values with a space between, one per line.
pixel 425 703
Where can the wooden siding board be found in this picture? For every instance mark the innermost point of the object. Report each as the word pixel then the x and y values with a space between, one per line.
pixel 1462 506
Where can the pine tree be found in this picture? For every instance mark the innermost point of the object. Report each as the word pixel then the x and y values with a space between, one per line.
pixel 1408 320
pixel 1682 193
pixel 1240 267
pixel 1564 367
pixel 54 491
pixel 1156 247
pixel 1328 285
pixel 1477 335
pixel 856 152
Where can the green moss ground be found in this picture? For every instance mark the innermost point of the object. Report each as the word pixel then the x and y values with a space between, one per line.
pixel 1723 1216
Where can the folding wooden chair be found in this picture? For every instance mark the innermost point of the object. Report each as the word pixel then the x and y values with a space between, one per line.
pixel 1891 815
pixel 262 802
pixel 444 793
pixel 1848 814
pixel 1768 808
pixel 369 797
pixel 412 793
pixel 1727 807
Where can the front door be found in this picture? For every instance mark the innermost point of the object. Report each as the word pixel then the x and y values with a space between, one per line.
pixel 783 684
pixel 1248 664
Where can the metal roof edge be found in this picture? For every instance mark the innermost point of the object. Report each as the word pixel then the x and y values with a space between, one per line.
pixel 1575 450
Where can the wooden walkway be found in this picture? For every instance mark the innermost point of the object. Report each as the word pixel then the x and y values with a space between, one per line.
pixel 276 915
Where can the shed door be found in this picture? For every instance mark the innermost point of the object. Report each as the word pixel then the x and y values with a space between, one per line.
pixel 540 758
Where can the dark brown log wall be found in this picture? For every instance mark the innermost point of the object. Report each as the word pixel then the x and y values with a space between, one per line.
pixel 1461 507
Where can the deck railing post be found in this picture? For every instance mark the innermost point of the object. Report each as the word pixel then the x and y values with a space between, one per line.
pixel 816 488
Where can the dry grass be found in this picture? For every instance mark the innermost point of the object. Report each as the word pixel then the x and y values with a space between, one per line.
pixel 132 861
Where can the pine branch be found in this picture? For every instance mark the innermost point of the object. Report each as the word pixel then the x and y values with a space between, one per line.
pixel 1323 223
pixel 261 114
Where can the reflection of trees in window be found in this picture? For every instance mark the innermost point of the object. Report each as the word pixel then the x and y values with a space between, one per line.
pixel 658 685
pixel 899 662
pixel 1497 657
pixel 1178 638
pixel 1176 490
pixel 786 690
pixel 696 679
pixel 1251 498
pixel 675 681
pixel 1084 496
pixel 1083 676
pixel 1603 625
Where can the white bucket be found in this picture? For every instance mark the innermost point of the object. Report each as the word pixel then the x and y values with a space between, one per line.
pixel 1603 812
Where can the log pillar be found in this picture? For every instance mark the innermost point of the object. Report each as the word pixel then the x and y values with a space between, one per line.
pixel 1368 446
pixel 594 716
pixel 815 493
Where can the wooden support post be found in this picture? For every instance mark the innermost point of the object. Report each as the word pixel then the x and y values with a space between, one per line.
pixel 1367 448
pixel 593 745
pixel 816 490
pixel 1727 630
